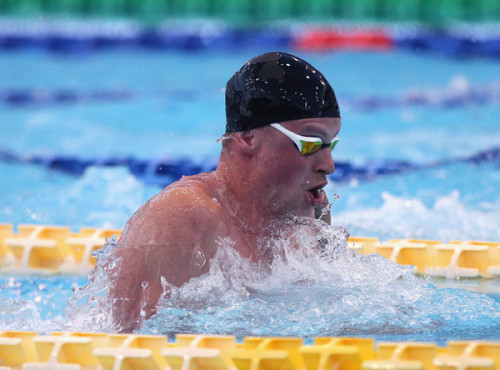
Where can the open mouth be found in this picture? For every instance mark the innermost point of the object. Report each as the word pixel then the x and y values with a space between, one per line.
pixel 315 194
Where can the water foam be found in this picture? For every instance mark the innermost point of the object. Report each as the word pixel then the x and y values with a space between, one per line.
pixel 307 291
pixel 90 308
pixel 34 303
pixel 310 293
pixel 449 218
pixel 108 195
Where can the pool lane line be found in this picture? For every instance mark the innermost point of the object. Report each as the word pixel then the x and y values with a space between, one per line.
pixel 458 93
pixel 162 172
pixel 80 37
pixel 64 350
pixel 49 249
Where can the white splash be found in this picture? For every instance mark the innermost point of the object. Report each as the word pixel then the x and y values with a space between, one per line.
pixel 108 196
pixel 309 292
pixel 447 219
pixel 315 286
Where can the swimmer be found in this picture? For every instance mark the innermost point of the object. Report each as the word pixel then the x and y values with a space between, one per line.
pixel 282 122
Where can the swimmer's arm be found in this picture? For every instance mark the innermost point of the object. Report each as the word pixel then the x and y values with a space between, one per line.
pixel 171 238
pixel 322 211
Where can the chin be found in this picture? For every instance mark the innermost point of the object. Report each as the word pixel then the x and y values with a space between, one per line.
pixel 298 209
pixel 307 211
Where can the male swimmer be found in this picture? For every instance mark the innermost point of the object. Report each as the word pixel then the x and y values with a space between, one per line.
pixel 282 124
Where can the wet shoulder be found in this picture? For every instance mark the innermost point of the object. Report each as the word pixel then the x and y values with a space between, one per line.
pixel 192 196
pixel 178 209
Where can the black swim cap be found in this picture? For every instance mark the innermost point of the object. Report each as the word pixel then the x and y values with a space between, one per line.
pixel 277 87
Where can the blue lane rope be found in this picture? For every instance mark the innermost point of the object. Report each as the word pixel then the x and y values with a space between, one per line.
pixel 23 97
pixel 162 172
pixel 82 37
pixel 458 94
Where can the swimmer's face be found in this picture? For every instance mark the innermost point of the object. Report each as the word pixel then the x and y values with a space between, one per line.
pixel 292 181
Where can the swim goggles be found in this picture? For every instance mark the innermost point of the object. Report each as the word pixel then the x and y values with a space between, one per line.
pixel 306 145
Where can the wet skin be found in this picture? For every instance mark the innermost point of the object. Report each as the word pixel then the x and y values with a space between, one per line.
pixel 261 179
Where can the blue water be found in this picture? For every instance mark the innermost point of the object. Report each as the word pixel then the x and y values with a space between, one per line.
pixel 174 108
pixel 171 105
pixel 367 305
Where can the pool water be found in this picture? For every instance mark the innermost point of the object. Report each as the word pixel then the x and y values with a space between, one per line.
pixel 337 295
pixel 429 111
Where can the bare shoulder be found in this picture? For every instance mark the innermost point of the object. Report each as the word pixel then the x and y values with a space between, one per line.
pixel 185 209
pixel 173 237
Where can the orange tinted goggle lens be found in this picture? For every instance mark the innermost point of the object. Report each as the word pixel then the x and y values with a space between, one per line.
pixel 311 147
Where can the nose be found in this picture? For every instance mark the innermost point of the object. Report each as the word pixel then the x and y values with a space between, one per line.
pixel 324 162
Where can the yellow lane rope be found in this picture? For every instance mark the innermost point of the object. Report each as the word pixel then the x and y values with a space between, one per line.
pixel 29 350
pixel 56 249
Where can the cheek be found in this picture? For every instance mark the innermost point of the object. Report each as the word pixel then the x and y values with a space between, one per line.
pixel 286 170
pixel 289 174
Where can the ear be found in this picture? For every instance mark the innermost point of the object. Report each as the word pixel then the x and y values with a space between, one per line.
pixel 247 141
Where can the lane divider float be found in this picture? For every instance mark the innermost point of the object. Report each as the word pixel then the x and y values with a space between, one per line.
pixel 50 249
pixel 320 39
pixel 458 93
pixel 56 249
pixel 80 36
pixel 162 172
pixel 30 350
